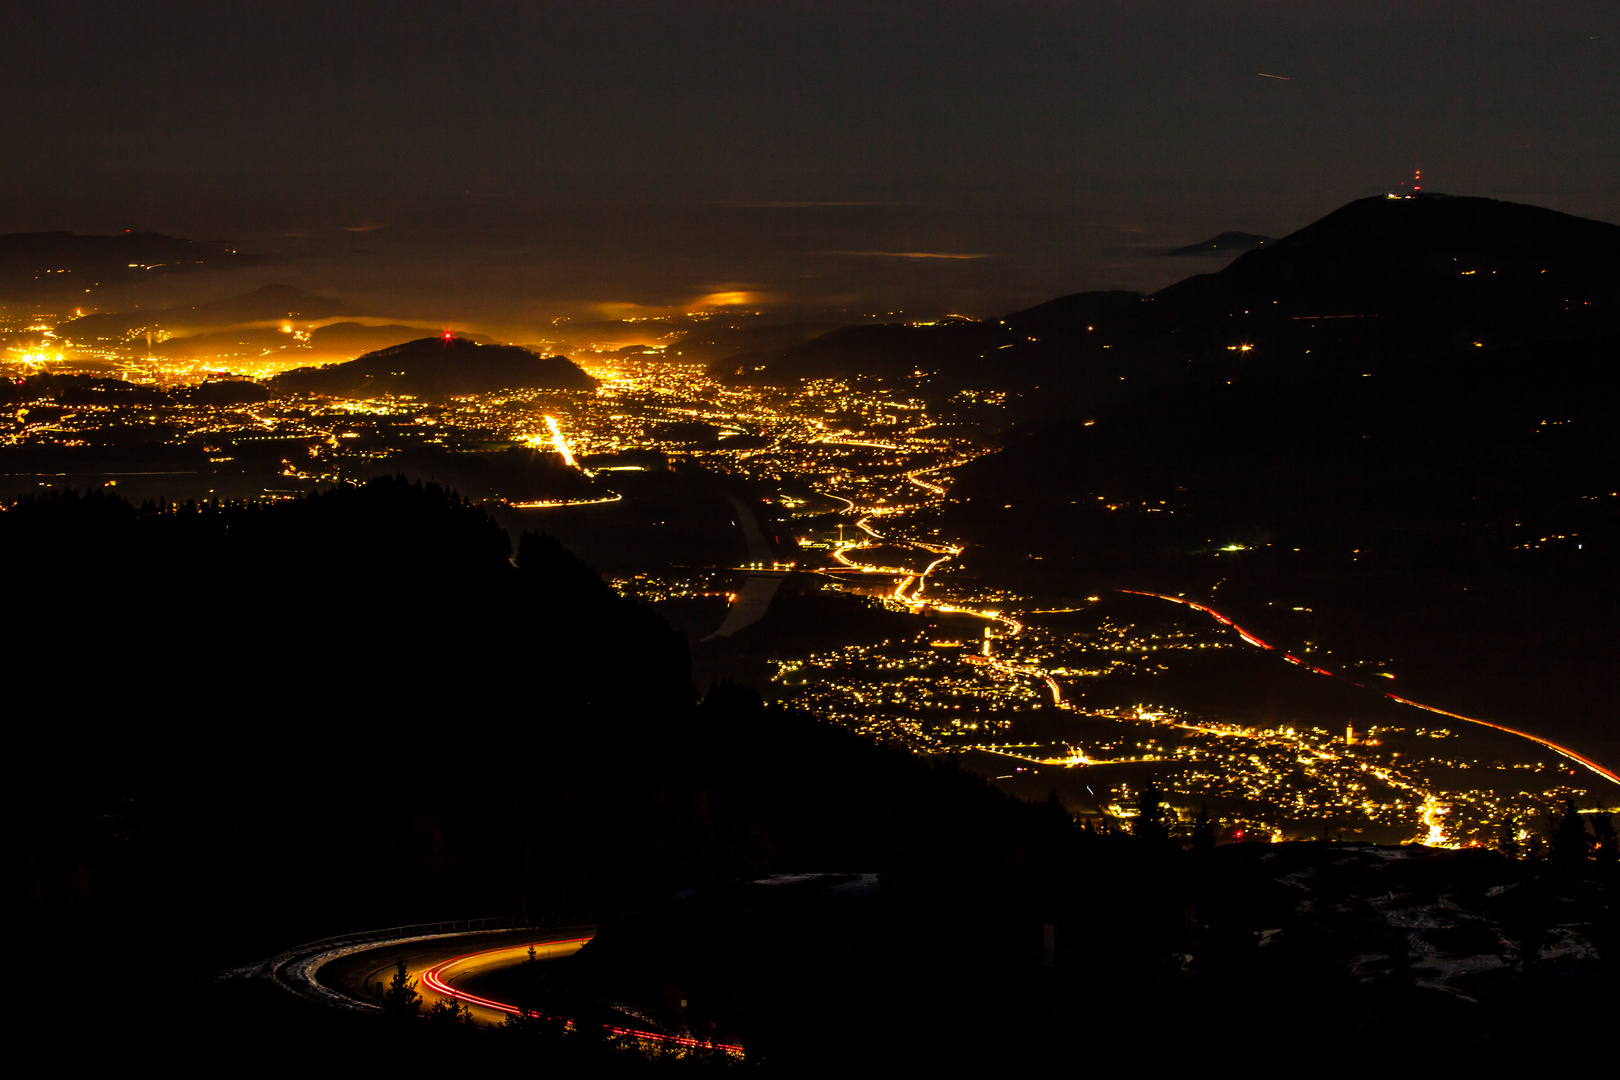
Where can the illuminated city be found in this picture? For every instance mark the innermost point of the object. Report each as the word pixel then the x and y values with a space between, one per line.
pixel 994 537
pixel 861 472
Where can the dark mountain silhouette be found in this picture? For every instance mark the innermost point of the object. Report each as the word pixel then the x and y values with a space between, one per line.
pixel 346 339
pixel 715 342
pixel 227 391
pixel 1379 283
pixel 1452 270
pixel 248 341
pixel 353 339
pixel 264 304
pixel 37 263
pixel 1396 417
pixel 884 349
pixel 1227 243
pixel 78 390
pixel 438 366
pixel 1078 310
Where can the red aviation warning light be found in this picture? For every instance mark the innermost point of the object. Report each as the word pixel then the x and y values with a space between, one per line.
pixel 1417 181
pixel 447 335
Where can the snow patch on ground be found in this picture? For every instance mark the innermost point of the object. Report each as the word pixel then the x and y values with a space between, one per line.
pixel 1435 966
pixel 1390 854
pixel 1565 943
pixel 834 884
pixel 1415 918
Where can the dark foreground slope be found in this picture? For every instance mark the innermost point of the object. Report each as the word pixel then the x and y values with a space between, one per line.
pixel 257 630
pixel 239 727
pixel 438 367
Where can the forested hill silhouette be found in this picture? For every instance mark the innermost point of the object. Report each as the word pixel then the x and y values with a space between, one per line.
pixel 316 625
pixel 1499 273
pixel 1377 285
pixel 439 366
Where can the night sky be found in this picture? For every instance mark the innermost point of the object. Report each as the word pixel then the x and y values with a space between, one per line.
pixel 642 154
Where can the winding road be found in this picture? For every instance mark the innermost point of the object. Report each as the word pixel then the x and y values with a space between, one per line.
pixel 477 969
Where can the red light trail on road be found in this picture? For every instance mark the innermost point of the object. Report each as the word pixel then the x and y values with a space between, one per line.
pixel 434 980
pixel 1574 756
pixel 1250 638
pixel 1564 750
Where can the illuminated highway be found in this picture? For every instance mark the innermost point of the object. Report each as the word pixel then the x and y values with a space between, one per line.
pixel 909 584
pixel 1572 755
pixel 363 974
pixel 542 504
pixel 561 444
pixel 469 968
pixel 440 980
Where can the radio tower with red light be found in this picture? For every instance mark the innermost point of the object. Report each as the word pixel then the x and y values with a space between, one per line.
pixel 1417 181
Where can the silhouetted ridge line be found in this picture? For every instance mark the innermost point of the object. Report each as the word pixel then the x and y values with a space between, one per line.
pixel 438 366
pixel 34 263
pixel 1227 243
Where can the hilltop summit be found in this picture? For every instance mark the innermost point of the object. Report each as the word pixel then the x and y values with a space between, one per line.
pixel 1224 245
pixel 1391 254
pixel 1381 282
pixel 439 366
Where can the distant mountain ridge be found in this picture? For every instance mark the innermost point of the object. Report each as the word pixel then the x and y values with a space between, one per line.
pixel 438 366
pixel 264 304
pixel 356 339
pixel 35 263
pixel 1227 243
pixel 1379 283
pixel 1437 271
pixel 343 340
pixel 1383 254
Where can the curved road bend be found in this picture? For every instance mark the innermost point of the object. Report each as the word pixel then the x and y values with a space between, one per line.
pixel 360 974
pixel 468 968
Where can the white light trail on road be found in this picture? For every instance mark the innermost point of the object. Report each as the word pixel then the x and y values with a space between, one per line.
pixel 560 443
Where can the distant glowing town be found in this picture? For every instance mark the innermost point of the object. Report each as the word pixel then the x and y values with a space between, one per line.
pixel 1014 685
